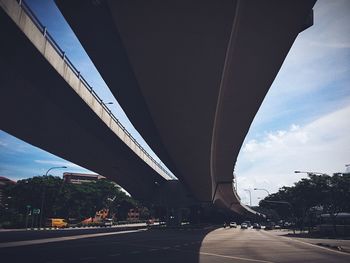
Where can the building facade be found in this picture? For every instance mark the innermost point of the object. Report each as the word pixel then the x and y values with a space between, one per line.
pixel 79 178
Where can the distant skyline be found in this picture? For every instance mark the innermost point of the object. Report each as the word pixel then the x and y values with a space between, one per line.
pixel 303 123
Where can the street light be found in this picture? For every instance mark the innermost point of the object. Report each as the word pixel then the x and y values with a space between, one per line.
pixel 44 192
pixel 308 173
pixel 262 189
pixel 250 196
pixel 58 167
pixel 105 104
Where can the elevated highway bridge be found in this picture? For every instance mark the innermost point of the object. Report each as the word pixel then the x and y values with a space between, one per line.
pixel 47 103
pixel 190 75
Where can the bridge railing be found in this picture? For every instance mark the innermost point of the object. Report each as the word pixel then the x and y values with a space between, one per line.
pixel 63 55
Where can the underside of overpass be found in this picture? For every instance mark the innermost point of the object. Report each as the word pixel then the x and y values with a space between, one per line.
pixel 190 75
pixel 39 106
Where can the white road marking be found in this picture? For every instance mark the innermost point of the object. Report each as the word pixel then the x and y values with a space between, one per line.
pixel 309 244
pixel 313 245
pixel 60 239
pixel 232 257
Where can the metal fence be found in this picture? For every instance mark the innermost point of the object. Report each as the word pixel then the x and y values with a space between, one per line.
pixel 62 54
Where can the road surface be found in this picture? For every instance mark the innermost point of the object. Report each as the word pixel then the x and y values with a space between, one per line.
pixel 166 245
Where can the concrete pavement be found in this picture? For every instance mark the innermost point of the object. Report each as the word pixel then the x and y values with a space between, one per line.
pixel 338 244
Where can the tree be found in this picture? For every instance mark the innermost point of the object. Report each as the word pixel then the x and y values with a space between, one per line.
pixel 64 200
pixel 331 194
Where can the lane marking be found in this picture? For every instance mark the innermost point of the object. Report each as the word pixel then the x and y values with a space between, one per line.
pixel 60 239
pixel 224 256
pixel 313 245
pixel 233 257
pixel 309 244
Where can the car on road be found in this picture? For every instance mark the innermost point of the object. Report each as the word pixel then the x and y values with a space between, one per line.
pixel 233 224
pixel 244 226
pixel 270 226
pixel 256 226
pixel 248 223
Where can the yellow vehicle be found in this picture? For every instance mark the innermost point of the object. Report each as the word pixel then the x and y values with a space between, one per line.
pixel 56 222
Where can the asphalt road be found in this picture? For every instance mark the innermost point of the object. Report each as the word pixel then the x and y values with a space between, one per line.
pixel 21 234
pixel 192 246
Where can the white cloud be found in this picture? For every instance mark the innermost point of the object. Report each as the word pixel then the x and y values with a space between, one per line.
pixel 319 61
pixel 322 145
pixel 312 91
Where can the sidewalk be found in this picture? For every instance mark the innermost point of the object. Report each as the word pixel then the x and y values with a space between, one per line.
pixel 73 228
pixel 14 235
pixel 337 244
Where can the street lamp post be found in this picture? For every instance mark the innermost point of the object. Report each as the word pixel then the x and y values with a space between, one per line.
pixel 27 214
pixel 262 189
pixel 308 173
pixel 44 193
pixel 250 196
pixel 107 103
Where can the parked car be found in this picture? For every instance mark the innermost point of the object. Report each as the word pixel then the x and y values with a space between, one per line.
pixel 56 222
pixel 244 226
pixel 256 226
pixel 233 224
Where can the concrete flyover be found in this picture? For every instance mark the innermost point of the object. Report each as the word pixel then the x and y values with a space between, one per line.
pixel 45 101
pixel 190 75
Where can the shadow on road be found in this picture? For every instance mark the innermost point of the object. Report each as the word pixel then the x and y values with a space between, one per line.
pixel 154 245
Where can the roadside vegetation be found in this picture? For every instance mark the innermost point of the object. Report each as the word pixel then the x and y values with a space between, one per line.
pixel 74 202
pixel 308 200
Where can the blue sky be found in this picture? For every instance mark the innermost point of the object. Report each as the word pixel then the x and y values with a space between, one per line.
pixel 303 123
